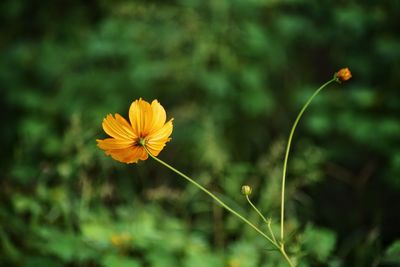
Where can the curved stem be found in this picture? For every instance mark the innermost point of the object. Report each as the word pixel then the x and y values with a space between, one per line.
pixel 268 222
pixel 283 252
pixel 219 201
pixel 287 156
pixel 270 230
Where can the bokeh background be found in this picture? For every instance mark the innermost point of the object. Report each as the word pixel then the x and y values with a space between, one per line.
pixel 233 74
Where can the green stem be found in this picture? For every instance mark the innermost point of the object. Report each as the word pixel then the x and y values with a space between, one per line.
pixel 270 230
pixel 219 201
pixel 287 156
pixel 268 222
pixel 283 252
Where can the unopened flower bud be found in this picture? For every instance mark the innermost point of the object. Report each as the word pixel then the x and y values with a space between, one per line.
pixel 246 190
pixel 343 74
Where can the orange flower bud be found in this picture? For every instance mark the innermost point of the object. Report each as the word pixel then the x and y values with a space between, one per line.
pixel 343 74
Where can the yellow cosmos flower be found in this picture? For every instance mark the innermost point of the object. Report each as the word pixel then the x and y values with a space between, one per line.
pixel 147 127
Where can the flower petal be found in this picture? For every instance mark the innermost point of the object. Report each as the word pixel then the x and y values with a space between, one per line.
pixel 125 125
pixel 144 154
pixel 156 142
pixel 156 148
pixel 112 143
pixel 140 114
pixel 127 155
pixel 158 116
pixel 117 129
pixel 161 134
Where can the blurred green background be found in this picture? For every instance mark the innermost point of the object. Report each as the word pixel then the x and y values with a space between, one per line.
pixel 233 74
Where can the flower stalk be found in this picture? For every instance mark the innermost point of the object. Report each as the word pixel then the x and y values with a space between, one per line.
pixel 282 237
pixel 267 221
pixel 217 199
pixel 224 205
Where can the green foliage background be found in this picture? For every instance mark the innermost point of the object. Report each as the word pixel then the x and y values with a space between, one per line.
pixel 233 74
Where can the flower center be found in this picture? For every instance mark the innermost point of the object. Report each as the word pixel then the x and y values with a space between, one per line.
pixel 142 141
